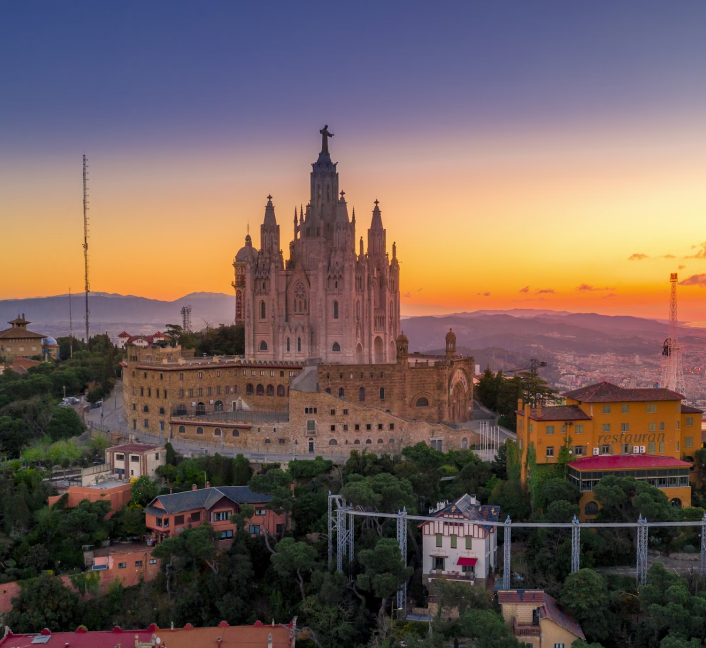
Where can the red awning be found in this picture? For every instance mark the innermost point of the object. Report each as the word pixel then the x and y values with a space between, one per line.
pixel 467 562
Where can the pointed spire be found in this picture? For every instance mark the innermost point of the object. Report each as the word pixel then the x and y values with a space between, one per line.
pixel 270 212
pixel 295 215
pixel 361 246
pixel 377 217
pixel 394 250
pixel 353 219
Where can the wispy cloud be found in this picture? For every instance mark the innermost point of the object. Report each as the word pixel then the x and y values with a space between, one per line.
pixel 695 280
pixel 667 256
pixel 545 291
pixel 700 254
pixel 680 267
pixel 589 288
pixel 485 294
pixel 525 289
pixel 608 296
pixel 410 295
pixel 638 256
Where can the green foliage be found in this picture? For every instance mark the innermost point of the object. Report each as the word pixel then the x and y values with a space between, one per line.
pixel 13 436
pixel 585 595
pixel 513 499
pixel 143 491
pixel 294 558
pixel 625 498
pixel 486 629
pixel 128 522
pixel 277 483
pixel 65 423
pixel 308 469
pixel 44 602
pixel 382 492
pixel 384 570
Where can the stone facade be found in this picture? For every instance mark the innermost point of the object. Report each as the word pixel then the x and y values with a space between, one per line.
pixel 327 301
pixel 19 342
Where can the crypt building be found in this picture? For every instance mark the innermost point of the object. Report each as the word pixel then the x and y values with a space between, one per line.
pixel 328 302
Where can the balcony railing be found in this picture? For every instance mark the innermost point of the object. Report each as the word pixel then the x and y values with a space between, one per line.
pixel 212 412
pixel 525 629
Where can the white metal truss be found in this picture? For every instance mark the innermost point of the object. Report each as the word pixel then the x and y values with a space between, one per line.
pixel 575 545
pixel 642 532
pixel 672 371
pixel 402 539
pixel 507 541
pixel 335 502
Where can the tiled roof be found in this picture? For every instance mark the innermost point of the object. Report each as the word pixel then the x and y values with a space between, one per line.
pixel 605 392
pixel 688 409
pixel 521 596
pixel 124 335
pixel 133 447
pixel 187 637
pixel 20 334
pixel 559 413
pixel 552 612
pixel 471 511
pixel 627 462
pixel 207 497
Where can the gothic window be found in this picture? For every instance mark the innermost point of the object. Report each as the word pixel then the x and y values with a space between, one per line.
pixel 335 310
pixel 248 388
pixel 361 394
pixel 239 305
pixel 341 392
pixel 336 346
pixel 161 411
pixel 145 409
pixel 422 402
pixel 263 310
pixel 299 345
pixel 288 342
pixel 299 297
pixel 280 390
pixel 382 393
pixel 182 429
pixel 357 310
pixel 270 390
pixel 263 345
pixel 260 390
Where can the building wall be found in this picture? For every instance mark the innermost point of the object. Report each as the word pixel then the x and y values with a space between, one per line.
pixel 136 464
pixel 553 634
pixel 682 493
pixel 118 496
pixel 523 612
pixel 20 348
pixel 161 380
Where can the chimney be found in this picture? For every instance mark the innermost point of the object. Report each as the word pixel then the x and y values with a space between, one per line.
pixel 208 484
pixel 171 491
pixel 218 641
pixel 193 486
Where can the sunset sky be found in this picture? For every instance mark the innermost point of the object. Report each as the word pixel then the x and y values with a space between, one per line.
pixel 545 154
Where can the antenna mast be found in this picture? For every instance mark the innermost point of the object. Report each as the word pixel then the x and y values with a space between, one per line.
pixel 71 329
pixel 186 319
pixel 672 372
pixel 85 241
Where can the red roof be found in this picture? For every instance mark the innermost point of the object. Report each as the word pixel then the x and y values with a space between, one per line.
pixel 558 413
pixel 605 392
pixel 627 462
pixel 688 409
pixel 521 596
pixel 124 334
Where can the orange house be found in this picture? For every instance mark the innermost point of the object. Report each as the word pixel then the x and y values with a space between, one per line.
pixel 169 515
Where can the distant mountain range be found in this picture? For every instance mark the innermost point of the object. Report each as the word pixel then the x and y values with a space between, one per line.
pixel 513 334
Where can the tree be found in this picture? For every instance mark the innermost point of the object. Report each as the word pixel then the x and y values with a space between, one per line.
pixel 384 571
pixel 65 423
pixel 498 466
pixel 382 492
pixel 513 500
pixel 129 521
pixel 626 498
pixel 488 388
pixel 585 595
pixel 487 629
pixel 143 491
pixel 44 602
pixel 293 557
pixel 536 391
pixel 13 436
pixel 277 483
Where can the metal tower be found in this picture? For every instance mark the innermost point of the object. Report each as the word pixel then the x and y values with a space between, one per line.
pixel 402 539
pixel 186 319
pixel 71 329
pixel 672 372
pixel 85 241
pixel 642 540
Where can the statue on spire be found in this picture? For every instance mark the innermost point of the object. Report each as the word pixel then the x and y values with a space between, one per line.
pixel 324 138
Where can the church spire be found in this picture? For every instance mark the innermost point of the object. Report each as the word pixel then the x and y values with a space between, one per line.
pixel 269 230
pixel 376 234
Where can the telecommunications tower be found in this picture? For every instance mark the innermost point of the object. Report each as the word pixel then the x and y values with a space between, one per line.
pixel 186 319
pixel 672 373
pixel 85 239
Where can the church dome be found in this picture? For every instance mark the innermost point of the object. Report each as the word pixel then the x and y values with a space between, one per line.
pixel 246 253
pixel 49 341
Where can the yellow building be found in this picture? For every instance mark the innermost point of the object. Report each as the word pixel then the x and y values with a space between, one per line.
pixel 604 419
pixel 536 620
pixel 18 342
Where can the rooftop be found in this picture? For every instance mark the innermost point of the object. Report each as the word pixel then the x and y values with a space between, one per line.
pixel 548 608
pixel 204 498
pixel 605 392
pixel 133 447
pixel 627 462
pixel 558 413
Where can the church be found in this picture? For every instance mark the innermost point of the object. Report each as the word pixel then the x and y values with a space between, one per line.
pixel 328 302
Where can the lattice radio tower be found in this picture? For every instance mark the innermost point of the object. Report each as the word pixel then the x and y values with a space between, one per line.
pixel 186 319
pixel 85 241
pixel 672 372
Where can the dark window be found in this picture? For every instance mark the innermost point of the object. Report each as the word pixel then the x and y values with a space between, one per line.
pixel 195 517
pixel 199 430
pixel 263 314
pixel 341 392
pixel 591 508
pixel 236 433
pixel 145 409
pixel 249 388
pixel 260 390
pixel 263 345
pixel 335 316
pixel 280 390
pixel 333 442
pixel 161 411
pixel 336 347
pixel 422 402
pixel 181 409
pixel 200 409
pixel 218 406
pixel 178 519
pixel 382 393
pixel 270 390
pixel 361 394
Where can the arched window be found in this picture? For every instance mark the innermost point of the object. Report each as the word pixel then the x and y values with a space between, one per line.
pixel 263 310
pixel 464 443
pixel 380 441
pixel 591 508
pixel 299 345
pixel 236 433
pixel 336 347
pixel 299 297
pixel 161 411
pixel 268 441
pixel 361 394
pixel 341 392
pixel 145 409
pixel 287 345
pixel 260 390
pixel 199 430
pixel 382 393
pixel 181 409
pixel 182 429
pixel 676 502
pixel 333 442
pixel 357 310
pixel 217 432
pixel 335 310
pixel 218 406
pixel 280 390
pixel 200 409
pixel 270 390
pixel 263 285
pixel 356 442
pixel 249 388
pixel 422 401
pixel 263 345
pixel 328 390
pixel 368 441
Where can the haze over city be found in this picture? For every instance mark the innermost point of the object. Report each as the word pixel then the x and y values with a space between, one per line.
pixel 551 156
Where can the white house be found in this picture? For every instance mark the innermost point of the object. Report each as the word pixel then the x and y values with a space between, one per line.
pixel 457 545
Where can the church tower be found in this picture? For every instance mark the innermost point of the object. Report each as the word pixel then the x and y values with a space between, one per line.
pixel 327 303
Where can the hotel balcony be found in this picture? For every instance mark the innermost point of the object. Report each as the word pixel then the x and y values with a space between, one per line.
pixel 525 629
